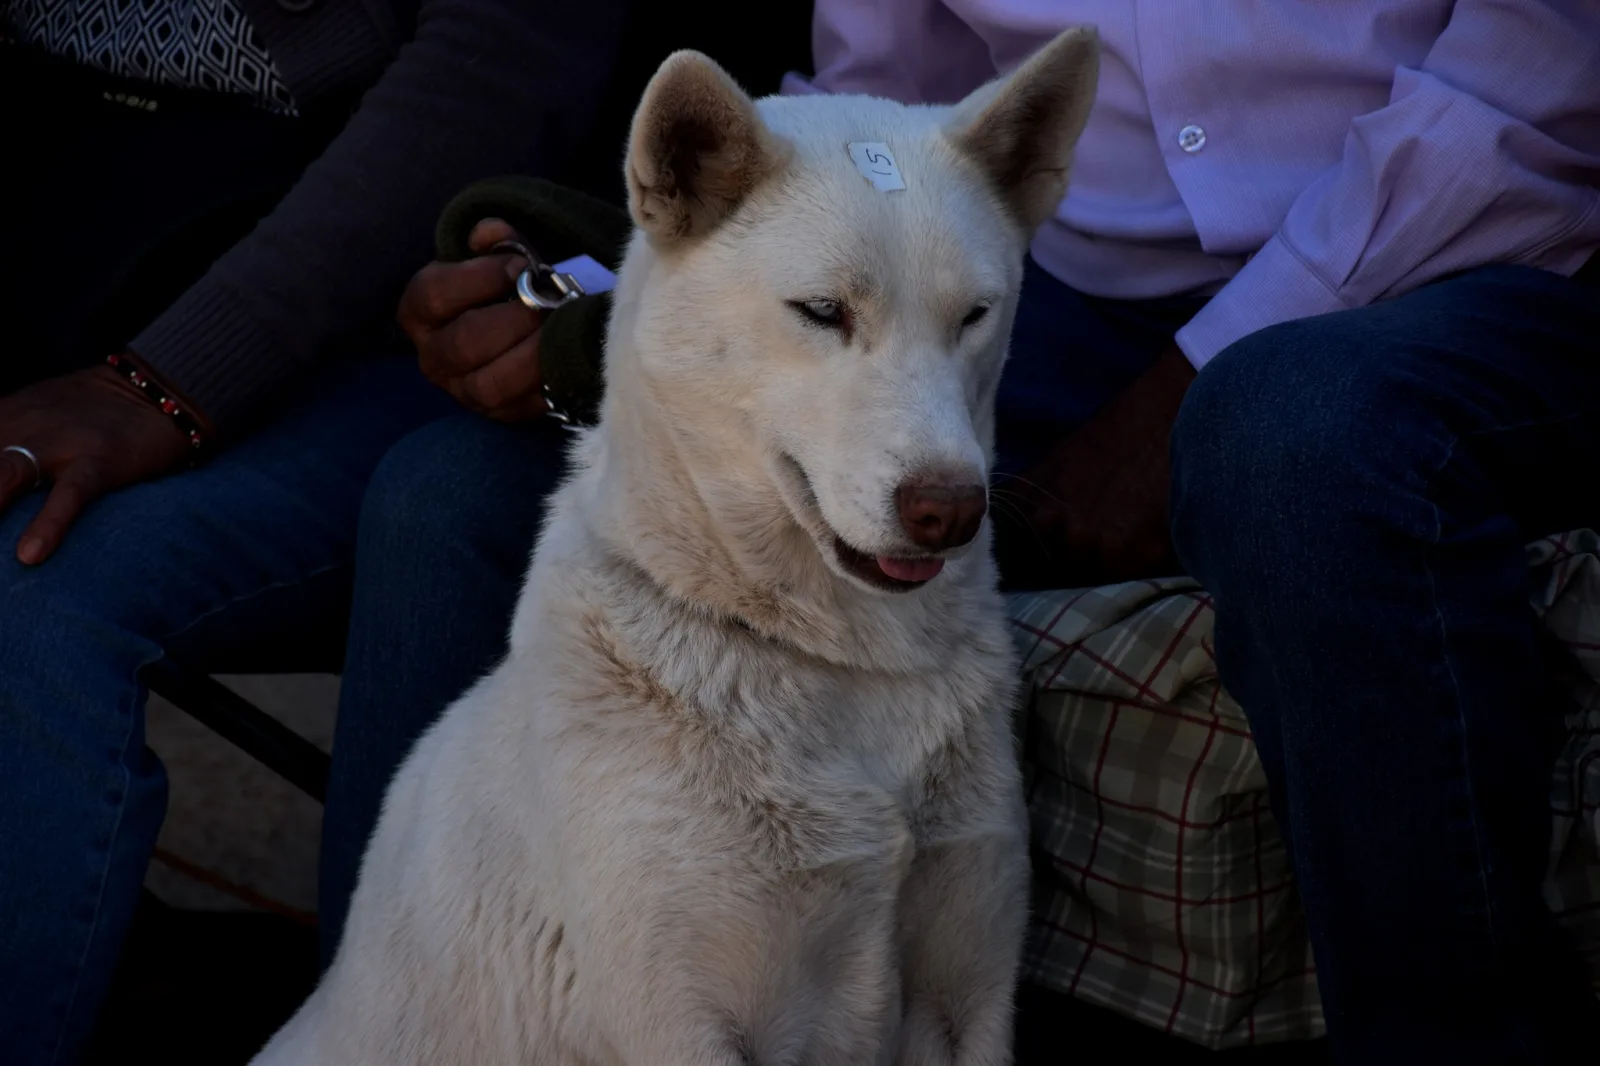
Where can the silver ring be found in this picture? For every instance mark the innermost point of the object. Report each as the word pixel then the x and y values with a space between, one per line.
pixel 33 461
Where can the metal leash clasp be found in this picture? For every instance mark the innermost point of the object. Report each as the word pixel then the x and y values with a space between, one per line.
pixel 541 287
pixel 544 288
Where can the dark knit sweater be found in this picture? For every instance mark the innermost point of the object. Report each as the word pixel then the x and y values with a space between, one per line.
pixel 190 44
pixel 460 89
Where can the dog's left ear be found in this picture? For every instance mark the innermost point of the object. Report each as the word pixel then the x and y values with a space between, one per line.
pixel 1021 129
pixel 697 149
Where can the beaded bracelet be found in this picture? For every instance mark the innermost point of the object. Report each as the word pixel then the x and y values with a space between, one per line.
pixel 152 390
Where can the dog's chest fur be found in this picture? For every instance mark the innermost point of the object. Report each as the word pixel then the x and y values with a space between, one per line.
pixel 780 751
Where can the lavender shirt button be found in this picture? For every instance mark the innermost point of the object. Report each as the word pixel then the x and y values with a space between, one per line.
pixel 1191 138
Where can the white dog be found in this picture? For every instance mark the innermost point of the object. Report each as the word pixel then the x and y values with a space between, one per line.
pixel 744 791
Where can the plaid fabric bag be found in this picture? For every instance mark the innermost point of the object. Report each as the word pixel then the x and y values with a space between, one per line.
pixel 1566 588
pixel 1162 889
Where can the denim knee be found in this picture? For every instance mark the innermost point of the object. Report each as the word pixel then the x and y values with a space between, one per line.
pixel 1295 432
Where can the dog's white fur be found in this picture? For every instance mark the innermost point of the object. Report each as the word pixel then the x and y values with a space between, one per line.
pixel 724 803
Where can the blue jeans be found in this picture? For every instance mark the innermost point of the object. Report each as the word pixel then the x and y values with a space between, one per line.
pixel 1356 491
pixel 201 566
pixel 446 532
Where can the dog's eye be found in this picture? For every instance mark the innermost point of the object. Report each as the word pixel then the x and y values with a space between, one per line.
pixel 828 313
pixel 975 315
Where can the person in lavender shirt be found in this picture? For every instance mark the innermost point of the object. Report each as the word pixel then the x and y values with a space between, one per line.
pixel 1341 258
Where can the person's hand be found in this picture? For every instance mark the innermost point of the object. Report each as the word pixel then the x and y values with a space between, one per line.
pixel 472 340
pixel 1097 503
pixel 92 434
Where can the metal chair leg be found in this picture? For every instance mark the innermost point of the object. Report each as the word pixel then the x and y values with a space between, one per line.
pixel 243 724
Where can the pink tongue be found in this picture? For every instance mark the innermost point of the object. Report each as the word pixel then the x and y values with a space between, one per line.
pixel 910 569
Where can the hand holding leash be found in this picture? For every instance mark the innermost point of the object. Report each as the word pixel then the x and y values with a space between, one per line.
pixel 474 340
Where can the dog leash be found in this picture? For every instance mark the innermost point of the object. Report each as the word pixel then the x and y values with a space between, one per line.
pixel 545 287
pixel 572 243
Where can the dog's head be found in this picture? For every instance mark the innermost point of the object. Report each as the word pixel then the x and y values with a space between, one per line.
pixel 836 276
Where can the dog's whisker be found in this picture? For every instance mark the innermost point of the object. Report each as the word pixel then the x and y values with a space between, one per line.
pixel 1007 507
pixel 1004 494
pixel 1040 488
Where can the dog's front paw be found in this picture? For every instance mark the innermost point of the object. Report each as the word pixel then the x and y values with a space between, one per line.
pixel 934 1034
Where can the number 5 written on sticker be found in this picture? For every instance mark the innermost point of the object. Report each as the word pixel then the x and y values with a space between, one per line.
pixel 876 163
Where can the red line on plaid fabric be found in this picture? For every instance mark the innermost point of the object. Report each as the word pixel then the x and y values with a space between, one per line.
pixel 1177 875
pixel 1087 874
pixel 1142 686
pixel 1068 651
pixel 1211 706
pixel 1094 850
pixel 1116 671
pixel 1045 633
pixel 1178 634
pixel 1201 604
pixel 1261 907
pixel 1155 702
pixel 1560 547
pixel 1136 808
pixel 1166 710
pixel 1150 964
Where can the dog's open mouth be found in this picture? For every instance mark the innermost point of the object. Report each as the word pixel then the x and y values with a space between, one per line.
pixel 892 573
pixel 888 572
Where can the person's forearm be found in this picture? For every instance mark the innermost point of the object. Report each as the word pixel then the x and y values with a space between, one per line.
pixel 484 88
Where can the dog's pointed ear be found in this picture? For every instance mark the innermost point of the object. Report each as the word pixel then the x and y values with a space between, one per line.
pixel 1021 129
pixel 696 150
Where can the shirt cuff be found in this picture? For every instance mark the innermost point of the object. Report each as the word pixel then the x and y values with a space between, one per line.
pixel 209 348
pixel 1275 286
pixel 797 85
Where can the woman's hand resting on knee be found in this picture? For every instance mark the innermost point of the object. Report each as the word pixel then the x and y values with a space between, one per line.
pixel 79 437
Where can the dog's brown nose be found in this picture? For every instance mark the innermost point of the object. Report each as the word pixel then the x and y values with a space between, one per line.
pixel 938 517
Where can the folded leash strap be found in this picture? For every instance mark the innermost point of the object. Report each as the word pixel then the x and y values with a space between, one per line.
pixel 559 224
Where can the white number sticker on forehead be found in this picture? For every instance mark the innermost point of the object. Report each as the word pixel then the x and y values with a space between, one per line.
pixel 876 164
